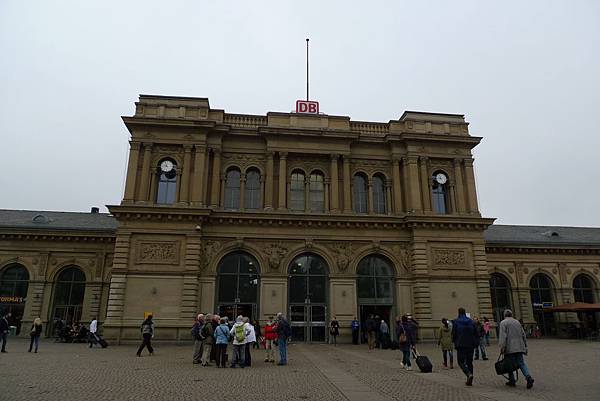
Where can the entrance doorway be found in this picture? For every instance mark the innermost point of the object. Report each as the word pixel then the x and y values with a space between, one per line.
pixel 232 311
pixel 383 311
pixel 308 283
pixel 237 286
pixel 308 322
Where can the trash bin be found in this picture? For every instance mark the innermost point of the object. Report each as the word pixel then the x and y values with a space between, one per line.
pixel 12 331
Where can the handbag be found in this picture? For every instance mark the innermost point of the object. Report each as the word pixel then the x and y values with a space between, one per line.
pixel 505 365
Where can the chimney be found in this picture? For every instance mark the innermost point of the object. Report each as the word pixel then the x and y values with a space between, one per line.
pixel 95 210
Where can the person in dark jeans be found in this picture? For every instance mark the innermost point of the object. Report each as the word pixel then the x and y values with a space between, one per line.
pixel 355 325
pixel 4 329
pixel 147 330
pixel 513 345
pixel 465 339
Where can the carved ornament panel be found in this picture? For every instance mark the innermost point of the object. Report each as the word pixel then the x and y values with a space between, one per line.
pixel 164 252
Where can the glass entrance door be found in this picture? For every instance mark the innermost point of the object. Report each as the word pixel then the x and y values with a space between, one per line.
pixel 308 322
pixel 234 310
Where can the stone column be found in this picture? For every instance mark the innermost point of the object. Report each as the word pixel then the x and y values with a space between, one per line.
pixel 397 187
pixel 425 188
pixel 185 175
pixel 242 191
pixel 307 194
pixel 222 184
pixel 421 289
pixel 216 175
pixel 347 193
pixel 282 180
pixel 326 207
pixel 335 197
pixel 471 188
pixel 132 169
pixel 370 209
pixel 412 172
pixel 153 184
pixel 198 177
pixel 145 180
pixel 460 190
pixel 189 299
pixel 268 201
pixel 388 197
pixel 262 192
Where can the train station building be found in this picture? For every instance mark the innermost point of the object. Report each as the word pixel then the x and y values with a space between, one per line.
pixel 313 215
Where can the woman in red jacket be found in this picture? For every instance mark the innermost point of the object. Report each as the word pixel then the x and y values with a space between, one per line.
pixel 270 337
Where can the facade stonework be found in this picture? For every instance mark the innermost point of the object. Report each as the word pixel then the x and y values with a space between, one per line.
pixel 314 216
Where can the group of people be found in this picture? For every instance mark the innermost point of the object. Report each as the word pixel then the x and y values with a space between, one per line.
pixel 213 334
pixel 35 332
pixel 470 336
pixel 69 332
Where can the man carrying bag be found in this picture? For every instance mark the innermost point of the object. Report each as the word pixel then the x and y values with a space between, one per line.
pixel 513 345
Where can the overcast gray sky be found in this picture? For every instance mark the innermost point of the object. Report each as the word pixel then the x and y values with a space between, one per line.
pixel 525 74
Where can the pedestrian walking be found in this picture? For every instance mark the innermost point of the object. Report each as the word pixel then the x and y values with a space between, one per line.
pixel 334 330
pixel 270 339
pixel 465 339
pixel 384 335
pixel 445 342
pixel 250 340
pixel 197 336
pixel 4 329
pixel 355 326
pixel 407 339
pixel 147 330
pixel 283 333
pixel 35 333
pixel 513 345
pixel 481 335
pixel 93 337
pixel 487 326
pixel 371 328
pixel 221 340
pixel 239 331
pixel 207 334
pixel 257 332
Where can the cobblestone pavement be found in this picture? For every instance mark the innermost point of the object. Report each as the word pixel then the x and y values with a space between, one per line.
pixel 563 370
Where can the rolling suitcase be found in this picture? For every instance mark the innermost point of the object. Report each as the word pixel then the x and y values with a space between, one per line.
pixel 423 362
pixel 101 341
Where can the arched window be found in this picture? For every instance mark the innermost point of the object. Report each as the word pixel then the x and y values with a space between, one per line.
pixel 69 290
pixel 237 284
pixel 232 189
pixel 308 283
pixel 583 289
pixel 439 192
pixel 360 193
pixel 500 294
pixel 375 280
pixel 167 181
pixel 541 291
pixel 379 205
pixel 14 282
pixel 297 191
pixel 252 190
pixel 317 192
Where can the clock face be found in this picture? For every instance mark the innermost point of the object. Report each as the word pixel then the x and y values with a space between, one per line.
pixel 166 166
pixel 441 178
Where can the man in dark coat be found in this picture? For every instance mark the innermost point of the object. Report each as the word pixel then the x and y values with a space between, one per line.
pixel 371 328
pixel 4 329
pixel 465 339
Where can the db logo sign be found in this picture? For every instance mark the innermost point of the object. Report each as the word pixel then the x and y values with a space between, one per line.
pixel 306 106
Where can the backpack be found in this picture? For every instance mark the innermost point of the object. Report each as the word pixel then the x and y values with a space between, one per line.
pixel 197 332
pixel 240 336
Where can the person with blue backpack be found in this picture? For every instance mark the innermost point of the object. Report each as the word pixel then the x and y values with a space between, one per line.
pixel 284 331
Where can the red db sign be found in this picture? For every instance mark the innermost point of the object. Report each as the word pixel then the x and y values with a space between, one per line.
pixel 307 106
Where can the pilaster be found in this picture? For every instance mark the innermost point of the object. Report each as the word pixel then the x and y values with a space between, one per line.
pixel 471 190
pixel 396 186
pixel 198 176
pixel 132 170
pixel 335 197
pixel 145 179
pixel 269 182
pixel 347 192
pixel 282 180
pixel 425 188
pixel 185 176
pixel 216 175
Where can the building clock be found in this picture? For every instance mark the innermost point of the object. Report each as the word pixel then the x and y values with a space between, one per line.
pixel 166 166
pixel 441 178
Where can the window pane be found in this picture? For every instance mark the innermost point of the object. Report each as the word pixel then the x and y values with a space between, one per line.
pixel 439 199
pixel 366 287
pixel 62 293
pixel 252 191
pixel 359 189
pixel 384 288
pixel 248 288
pixel 232 189
pixel 317 265
pixel 227 288
pixel 317 193
pixel 297 289
pixel 167 185
pixel 297 192
pixel 317 290
pixel 378 195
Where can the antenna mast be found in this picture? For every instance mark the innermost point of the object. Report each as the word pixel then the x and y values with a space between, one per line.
pixel 307 69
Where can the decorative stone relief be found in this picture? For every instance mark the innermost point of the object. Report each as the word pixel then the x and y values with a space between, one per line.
pixel 449 257
pixel 343 255
pixel 562 267
pixel 242 160
pixel 275 253
pixel 158 252
pixel 403 256
pixel 209 249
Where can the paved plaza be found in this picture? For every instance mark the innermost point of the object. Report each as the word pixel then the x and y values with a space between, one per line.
pixel 564 370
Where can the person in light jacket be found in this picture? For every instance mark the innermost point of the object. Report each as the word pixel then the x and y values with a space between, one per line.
pixel 445 342
pixel 93 330
pixel 222 339
pixel 513 345
pixel 36 332
pixel 239 332
pixel 250 340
